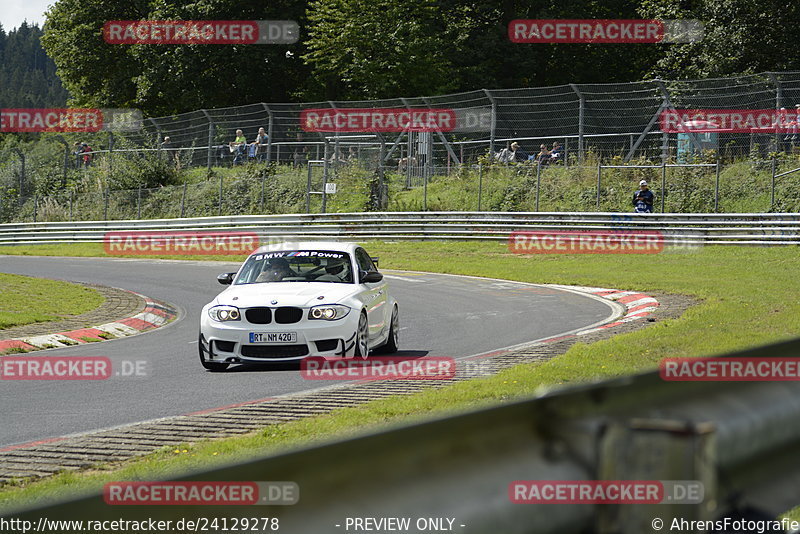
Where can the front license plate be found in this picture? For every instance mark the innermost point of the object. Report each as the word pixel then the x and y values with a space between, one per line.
pixel 273 337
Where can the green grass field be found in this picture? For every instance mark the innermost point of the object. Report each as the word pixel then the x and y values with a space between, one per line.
pixel 745 299
pixel 26 300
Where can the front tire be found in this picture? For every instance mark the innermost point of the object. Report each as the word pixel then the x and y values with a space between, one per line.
pixel 210 366
pixel 361 349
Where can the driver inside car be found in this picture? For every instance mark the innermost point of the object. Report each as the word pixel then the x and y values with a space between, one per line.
pixel 334 271
pixel 275 271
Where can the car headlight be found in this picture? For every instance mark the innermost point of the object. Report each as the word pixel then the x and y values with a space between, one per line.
pixel 224 313
pixel 328 312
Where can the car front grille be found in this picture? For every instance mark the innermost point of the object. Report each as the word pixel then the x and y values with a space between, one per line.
pixel 288 315
pixel 274 351
pixel 258 315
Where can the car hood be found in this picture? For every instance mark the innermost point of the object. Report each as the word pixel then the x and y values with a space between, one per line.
pixel 285 293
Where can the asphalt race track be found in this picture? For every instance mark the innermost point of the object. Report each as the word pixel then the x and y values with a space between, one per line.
pixel 440 315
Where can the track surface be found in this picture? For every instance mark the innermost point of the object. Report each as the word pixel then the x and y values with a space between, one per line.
pixel 440 316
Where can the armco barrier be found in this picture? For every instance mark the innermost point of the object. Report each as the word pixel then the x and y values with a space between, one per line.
pixel 739 439
pixel 723 229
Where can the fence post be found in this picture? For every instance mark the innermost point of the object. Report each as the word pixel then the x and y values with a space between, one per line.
pixel 261 203
pixel 480 184
pixel 139 203
pixel 71 192
pixel 325 176
pixel 538 182
pixel 716 189
pixel 210 138
pixel 772 188
pixel 308 188
pixel 183 200
pixel 663 183
pixel 105 204
pixel 110 156
pixel 381 176
pixel 493 126
pixel 581 107
pixel 599 172
pixel 219 205
pixel 269 135
pixel 35 206
pixel 21 155
pixel 778 100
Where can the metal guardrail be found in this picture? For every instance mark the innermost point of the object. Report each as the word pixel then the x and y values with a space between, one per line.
pixel 723 229
pixel 738 438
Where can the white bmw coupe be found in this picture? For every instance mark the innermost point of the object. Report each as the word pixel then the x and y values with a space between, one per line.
pixel 293 300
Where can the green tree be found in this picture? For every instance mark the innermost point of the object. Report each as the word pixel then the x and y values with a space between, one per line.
pixel 378 48
pixel 740 37
pixel 165 79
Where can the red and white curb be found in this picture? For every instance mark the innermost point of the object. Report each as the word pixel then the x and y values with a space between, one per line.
pixel 637 305
pixel 155 314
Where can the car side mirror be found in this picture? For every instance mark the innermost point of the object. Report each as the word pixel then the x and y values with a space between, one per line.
pixel 225 279
pixel 371 277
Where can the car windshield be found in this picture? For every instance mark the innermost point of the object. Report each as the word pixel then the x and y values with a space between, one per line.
pixel 297 266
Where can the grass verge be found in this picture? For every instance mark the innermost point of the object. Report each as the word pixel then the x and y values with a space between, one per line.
pixel 25 300
pixel 744 304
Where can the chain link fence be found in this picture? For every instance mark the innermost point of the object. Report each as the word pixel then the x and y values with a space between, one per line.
pixel 142 173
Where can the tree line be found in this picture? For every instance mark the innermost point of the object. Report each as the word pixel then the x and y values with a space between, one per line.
pixel 359 49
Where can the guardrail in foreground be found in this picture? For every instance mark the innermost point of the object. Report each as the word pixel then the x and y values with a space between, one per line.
pixel 738 438
pixel 754 229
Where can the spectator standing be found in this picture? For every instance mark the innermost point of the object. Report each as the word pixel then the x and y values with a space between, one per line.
pixel 88 154
pixel 169 150
pixel 643 198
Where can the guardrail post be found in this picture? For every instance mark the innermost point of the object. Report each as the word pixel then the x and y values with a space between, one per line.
pixel 663 183
pixel 599 172
pixel 716 188
pixel 480 184
pixel 183 200
pixel 687 452
pixel 772 186
pixel 539 181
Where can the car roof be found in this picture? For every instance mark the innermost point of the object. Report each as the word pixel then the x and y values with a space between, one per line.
pixel 309 245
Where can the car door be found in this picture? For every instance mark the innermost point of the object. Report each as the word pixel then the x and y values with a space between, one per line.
pixel 374 296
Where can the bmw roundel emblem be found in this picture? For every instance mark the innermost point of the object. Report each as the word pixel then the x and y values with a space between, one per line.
pixel 273 302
